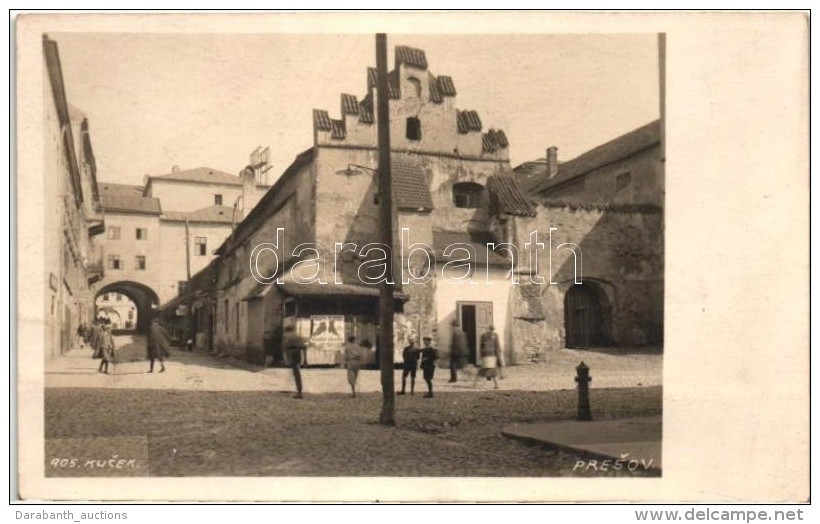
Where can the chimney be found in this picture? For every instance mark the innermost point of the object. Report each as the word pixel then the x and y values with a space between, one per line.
pixel 250 196
pixel 552 161
pixel 175 169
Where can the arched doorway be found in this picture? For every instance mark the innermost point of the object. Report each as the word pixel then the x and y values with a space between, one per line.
pixel 586 316
pixel 143 297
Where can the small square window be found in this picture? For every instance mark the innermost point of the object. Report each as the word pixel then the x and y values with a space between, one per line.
pixel 142 233
pixel 217 200
pixel 114 262
pixel 140 262
pixel 114 233
pixel 200 246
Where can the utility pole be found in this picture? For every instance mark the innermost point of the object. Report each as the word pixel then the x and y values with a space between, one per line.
pixel 388 413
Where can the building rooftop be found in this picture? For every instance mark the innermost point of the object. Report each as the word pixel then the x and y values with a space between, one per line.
pixel 506 196
pixel 130 204
pixel 112 188
pixel 410 186
pixel 533 178
pixel 212 214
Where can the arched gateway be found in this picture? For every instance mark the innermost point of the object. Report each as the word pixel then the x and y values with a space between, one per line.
pixel 143 296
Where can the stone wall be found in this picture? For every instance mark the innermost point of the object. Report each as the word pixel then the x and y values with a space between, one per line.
pixel 621 254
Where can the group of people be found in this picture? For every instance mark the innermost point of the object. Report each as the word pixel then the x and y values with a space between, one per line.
pixel 489 352
pixel 99 338
pixel 425 357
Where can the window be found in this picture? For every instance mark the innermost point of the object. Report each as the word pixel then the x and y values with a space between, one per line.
pixel 105 297
pixel 468 195
pixel 139 262
pixel 236 315
pixel 200 246
pixel 217 200
pixel 114 233
pixel 375 199
pixel 181 286
pixel 413 128
pixel 142 233
pixel 130 314
pixel 416 83
pixel 622 181
pixel 227 316
pixel 119 297
pixel 114 262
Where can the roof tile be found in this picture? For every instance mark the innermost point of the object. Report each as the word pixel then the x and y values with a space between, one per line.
pixel 131 204
pixel 214 214
pixel 446 85
pixel 392 82
pixel 410 186
pixel 435 93
pixel 321 120
pixel 338 129
pixel 350 105
pixel 366 111
pixel 411 56
pixel 507 197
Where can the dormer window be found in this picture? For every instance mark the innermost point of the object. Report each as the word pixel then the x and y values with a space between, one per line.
pixel 468 195
pixel 413 128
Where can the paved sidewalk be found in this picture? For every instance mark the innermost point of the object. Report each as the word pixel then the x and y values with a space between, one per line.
pixel 635 442
pixel 205 372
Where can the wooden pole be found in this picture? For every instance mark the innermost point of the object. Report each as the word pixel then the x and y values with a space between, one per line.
pixel 388 413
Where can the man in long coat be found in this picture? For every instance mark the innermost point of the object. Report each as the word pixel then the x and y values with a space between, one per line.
pixel 158 344
pixel 458 350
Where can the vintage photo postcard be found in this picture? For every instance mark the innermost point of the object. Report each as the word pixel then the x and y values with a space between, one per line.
pixel 486 256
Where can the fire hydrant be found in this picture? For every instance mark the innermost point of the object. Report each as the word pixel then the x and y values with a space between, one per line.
pixel 583 379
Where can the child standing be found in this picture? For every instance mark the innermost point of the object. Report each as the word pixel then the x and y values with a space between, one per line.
pixel 429 355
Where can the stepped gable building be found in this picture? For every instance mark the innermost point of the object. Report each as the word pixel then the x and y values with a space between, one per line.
pixel 458 203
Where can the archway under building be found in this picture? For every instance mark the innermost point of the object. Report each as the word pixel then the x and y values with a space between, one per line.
pixel 144 299
pixel 587 316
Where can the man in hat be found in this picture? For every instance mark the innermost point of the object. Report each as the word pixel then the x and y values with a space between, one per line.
pixel 410 356
pixel 293 345
pixel 458 350
pixel 428 355
pixel 158 342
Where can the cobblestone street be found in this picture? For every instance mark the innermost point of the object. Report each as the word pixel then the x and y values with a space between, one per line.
pixel 194 427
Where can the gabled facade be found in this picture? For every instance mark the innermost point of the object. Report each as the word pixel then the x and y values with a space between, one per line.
pixel 443 158
pixel 457 200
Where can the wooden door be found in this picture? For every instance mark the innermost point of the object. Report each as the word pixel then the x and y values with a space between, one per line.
pixel 475 318
pixel 582 318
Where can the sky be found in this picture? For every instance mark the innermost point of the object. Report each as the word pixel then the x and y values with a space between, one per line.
pixel 158 100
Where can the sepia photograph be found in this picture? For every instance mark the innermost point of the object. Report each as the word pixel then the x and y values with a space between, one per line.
pixel 302 254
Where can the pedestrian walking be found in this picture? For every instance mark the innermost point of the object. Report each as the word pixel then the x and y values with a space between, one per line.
pixel 490 354
pixel 354 360
pixel 106 350
pixel 428 355
pixel 293 345
pixel 458 350
pixel 158 342
pixel 410 357
pixel 94 339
